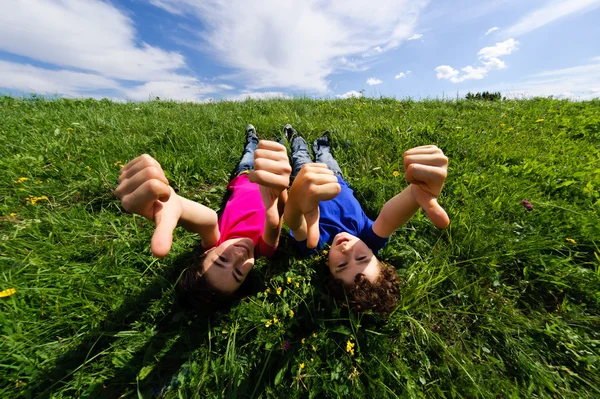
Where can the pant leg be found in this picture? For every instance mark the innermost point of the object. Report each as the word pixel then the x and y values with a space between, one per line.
pixel 247 161
pixel 300 155
pixel 323 155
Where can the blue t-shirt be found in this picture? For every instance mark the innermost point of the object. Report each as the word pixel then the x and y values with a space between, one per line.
pixel 344 214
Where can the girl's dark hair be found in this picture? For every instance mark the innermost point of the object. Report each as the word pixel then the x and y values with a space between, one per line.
pixel 197 293
pixel 363 295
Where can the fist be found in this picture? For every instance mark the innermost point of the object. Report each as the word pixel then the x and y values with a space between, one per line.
pixel 271 167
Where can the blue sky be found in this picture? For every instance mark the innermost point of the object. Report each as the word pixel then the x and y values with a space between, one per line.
pixel 202 50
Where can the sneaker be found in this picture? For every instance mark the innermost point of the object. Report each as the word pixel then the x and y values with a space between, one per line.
pixel 323 141
pixel 250 133
pixel 289 132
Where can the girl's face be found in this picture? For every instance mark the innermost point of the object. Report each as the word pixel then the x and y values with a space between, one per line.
pixel 349 256
pixel 227 266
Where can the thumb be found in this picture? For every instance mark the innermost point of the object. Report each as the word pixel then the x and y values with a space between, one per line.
pixel 312 228
pixel 163 235
pixel 436 213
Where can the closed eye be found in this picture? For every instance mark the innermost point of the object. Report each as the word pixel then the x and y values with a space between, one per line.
pixel 223 259
pixel 361 258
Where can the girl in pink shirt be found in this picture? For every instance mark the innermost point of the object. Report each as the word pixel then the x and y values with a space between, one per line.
pixel 249 226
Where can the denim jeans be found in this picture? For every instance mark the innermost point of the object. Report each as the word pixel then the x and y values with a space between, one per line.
pixel 247 161
pixel 301 156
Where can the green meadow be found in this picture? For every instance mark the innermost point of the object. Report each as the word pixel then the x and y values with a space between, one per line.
pixel 504 303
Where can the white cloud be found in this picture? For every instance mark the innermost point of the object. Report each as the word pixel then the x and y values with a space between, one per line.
pixel 350 94
pixel 596 59
pixel 374 81
pixel 402 75
pixel 488 57
pixel 498 50
pixel 91 35
pixel 168 90
pixel 297 44
pixel 446 72
pixel 495 28
pixel 415 36
pixel 257 95
pixel 31 79
pixel 549 13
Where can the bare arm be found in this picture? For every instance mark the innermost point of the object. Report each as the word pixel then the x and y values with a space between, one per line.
pixel 200 219
pixel 395 213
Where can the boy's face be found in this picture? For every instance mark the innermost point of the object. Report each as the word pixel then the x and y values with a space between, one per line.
pixel 227 266
pixel 349 256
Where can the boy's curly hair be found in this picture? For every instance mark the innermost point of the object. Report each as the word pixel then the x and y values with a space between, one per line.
pixel 197 293
pixel 381 296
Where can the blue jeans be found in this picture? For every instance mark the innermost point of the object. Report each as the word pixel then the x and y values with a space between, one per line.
pixel 247 161
pixel 301 156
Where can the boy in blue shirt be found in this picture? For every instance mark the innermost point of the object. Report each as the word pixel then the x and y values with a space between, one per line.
pixel 321 209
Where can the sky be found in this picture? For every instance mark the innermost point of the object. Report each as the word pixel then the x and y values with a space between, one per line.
pixel 210 50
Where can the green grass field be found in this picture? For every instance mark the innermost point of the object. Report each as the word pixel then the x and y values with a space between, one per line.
pixel 503 303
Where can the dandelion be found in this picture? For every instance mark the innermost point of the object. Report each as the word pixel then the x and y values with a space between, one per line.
pixel 527 205
pixel 289 280
pixel 291 313
pixel 571 240
pixel 279 289
pixel 303 340
pixel 286 346
pixel 350 347
pixel 35 200
pixel 268 291
pixel 268 323
pixel 502 125
pixel 12 214
pixel 275 320
pixel 22 179
pixel 302 365
pixel 8 292
pixel 396 173
pixel 540 120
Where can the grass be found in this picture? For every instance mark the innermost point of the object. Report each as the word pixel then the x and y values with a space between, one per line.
pixel 505 303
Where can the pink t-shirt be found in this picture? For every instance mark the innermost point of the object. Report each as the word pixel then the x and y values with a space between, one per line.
pixel 244 215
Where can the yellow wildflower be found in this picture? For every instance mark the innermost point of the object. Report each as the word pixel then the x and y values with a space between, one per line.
pixel 311 359
pixel 268 323
pixel 291 313
pixel 275 320
pixel 396 173
pixel 22 179
pixel 350 347
pixel 117 163
pixel 12 214
pixel 325 252
pixel 314 335
pixel 279 290
pixel 540 120
pixel 571 240
pixel 268 291
pixel 34 200
pixel 69 128
pixel 297 284
pixel 502 125
pixel 8 292
pixel 99 126
pixel 303 341
pixel 314 348
pixel 289 280
pixel 88 167
pixel 302 366
pixel 510 129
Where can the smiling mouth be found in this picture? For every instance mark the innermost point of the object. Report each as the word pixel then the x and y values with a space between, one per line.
pixel 244 247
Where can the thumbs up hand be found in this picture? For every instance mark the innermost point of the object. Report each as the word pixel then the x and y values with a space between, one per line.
pixel 144 189
pixel 426 168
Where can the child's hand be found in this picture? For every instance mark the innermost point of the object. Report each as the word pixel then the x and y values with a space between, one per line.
pixel 144 189
pixel 272 172
pixel 426 169
pixel 314 183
